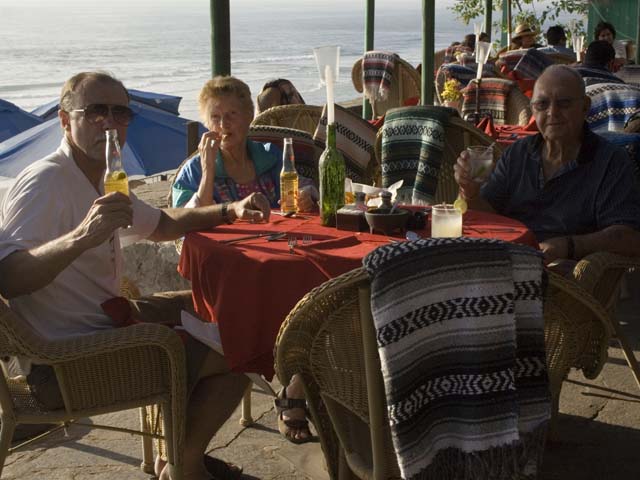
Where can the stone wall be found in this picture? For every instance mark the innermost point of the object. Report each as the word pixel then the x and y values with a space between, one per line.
pixel 152 267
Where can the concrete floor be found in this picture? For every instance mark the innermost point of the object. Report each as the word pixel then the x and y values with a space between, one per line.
pixel 598 435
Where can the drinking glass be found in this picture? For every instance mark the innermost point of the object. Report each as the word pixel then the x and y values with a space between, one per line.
pixel 446 221
pixel 481 162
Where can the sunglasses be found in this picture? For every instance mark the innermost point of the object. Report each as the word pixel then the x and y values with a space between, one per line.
pixel 561 103
pixel 98 113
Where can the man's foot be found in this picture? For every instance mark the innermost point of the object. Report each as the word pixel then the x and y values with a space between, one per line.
pixel 292 418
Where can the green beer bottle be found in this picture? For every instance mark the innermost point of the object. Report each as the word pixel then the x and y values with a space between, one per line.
pixel 332 173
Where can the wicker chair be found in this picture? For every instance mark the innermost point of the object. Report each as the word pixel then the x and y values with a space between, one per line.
pixel 301 117
pixel 329 339
pixel 459 135
pixel 518 110
pixel 104 372
pixel 405 84
pixel 601 275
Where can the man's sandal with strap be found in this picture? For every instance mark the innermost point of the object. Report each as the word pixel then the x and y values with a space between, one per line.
pixel 286 427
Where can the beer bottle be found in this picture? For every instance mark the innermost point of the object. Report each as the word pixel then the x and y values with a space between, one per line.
pixel 288 180
pixel 115 178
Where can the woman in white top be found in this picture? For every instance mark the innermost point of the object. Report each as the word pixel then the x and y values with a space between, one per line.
pixel 606 31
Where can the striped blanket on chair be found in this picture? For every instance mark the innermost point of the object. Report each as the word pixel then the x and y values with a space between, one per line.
pixel 412 148
pixel 460 333
pixel 593 76
pixel 532 64
pixel 493 98
pixel 467 72
pixel 611 105
pixel 377 73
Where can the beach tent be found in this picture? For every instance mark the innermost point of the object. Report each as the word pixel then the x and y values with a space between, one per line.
pixel 168 103
pixel 14 120
pixel 156 142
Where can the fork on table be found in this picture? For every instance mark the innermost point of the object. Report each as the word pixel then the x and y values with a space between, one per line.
pixel 307 239
pixel 292 242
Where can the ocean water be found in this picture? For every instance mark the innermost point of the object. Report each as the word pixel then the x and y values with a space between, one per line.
pixel 164 45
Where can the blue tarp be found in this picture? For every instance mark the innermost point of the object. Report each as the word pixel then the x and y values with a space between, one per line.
pixel 168 103
pixel 156 142
pixel 14 120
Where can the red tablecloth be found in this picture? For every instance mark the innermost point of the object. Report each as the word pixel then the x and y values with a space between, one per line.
pixel 249 287
pixel 505 135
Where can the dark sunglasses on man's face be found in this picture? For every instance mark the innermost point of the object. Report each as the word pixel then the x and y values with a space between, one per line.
pixel 98 113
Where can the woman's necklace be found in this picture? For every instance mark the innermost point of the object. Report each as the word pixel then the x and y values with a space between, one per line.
pixel 242 171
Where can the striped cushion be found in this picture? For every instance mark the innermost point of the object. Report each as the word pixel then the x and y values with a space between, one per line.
pixel 460 333
pixel 493 98
pixel 611 105
pixel 413 141
pixel 532 64
pixel 355 138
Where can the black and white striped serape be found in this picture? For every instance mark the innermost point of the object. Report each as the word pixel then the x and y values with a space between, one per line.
pixel 460 334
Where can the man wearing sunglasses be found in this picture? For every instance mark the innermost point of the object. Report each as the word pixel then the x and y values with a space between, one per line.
pixel 60 253
pixel 572 188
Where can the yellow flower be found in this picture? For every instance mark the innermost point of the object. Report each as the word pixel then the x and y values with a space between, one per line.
pixel 451 91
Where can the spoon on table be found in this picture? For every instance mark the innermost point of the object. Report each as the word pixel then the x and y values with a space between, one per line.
pixel 412 236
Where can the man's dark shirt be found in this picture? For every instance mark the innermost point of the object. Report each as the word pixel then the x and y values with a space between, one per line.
pixel 595 191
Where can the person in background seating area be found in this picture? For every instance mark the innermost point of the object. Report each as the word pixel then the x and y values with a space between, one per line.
pixel 278 92
pixel 572 188
pixel 607 32
pixel 557 42
pixel 598 64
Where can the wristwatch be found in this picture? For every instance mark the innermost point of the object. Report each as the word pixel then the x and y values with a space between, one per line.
pixel 224 213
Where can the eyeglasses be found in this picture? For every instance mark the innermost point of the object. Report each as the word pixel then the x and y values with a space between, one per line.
pixel 544 104
pixel 98 113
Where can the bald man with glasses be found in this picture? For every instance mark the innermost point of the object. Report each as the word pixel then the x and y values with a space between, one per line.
pixel 572 188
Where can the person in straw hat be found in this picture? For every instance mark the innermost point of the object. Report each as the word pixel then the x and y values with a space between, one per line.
pixel 525 36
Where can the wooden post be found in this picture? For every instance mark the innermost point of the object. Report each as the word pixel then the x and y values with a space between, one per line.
pixel 428 41
pixel 193 137
pixel 504 40
pixel 509 22
pixel 220 38
pixel 638 36
pixel 488 12
pixel 370 13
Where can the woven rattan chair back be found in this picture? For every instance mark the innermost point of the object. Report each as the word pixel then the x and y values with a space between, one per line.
pixel 300 117
pixel 329 340
pixel 459 136
pixel 404 85
pixel 321 340
pixel 105 372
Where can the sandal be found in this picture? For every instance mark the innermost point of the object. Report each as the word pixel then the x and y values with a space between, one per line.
pixel 282 403
pixel 221 470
